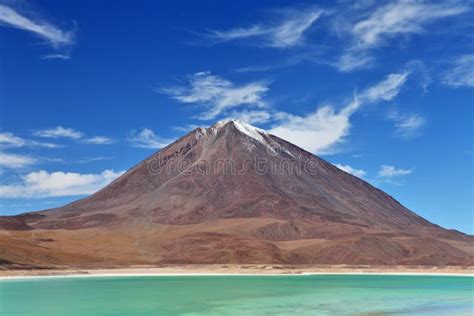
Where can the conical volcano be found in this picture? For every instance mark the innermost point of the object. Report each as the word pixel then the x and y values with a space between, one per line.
pixel 232 193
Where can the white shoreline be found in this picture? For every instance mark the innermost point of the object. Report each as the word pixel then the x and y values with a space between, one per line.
pixel 92 275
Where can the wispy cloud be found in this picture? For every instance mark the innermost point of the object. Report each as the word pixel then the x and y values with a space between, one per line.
pixel 421 73
pixel 251 117
pixel 392 174
pixel 9 140
pixel 389 22
pixel 98 140
pixel 41 184
pixel 321 131
pixel 360 173
pixel 402 17
pixel 34 143
pixel 407 126
pixel 147 139
pixel 307 55
pixel 185 128
pixel 56 56
pixel 285 33
pixel 53 35
pixel 217 94
pixel 353 60
pixel 461 72
pixel 317 132
pixel 74 134
pixel 386 89
pixel 14 161
pixel 59 132
pixel 93 159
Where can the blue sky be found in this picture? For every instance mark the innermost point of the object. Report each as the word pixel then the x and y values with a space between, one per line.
pixel 383 89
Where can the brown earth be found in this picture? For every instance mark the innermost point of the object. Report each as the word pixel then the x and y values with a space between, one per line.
pixel 231 194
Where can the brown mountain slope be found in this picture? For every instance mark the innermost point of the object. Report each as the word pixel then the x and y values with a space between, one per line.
pixel 232 193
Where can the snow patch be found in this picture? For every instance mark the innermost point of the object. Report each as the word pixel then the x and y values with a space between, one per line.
pixel 250 130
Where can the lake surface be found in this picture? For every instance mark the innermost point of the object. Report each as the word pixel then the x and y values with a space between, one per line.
pixel 239 295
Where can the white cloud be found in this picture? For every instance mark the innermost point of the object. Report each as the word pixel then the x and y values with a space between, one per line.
pixel 14 161
pixel 355 172
pixel 56 56
pixel 386 89
pixel 407 125
pixel 317 132
pixel 10 140
pixel 98 140
pixel 389 173
pixel 34 143
pixel 55 37
pixel 321 131
pixel 63 132
pixel 42 184
pixel 351 60
pixel 421 73
pixel 251 117
pixel 288 32
pixel 185 128
pixel 379 26
pixel 147 139
pixel 59 132
pixel 362 4
pixel 461 72
pixel 93 159
pixel 217 93
pixel 402 17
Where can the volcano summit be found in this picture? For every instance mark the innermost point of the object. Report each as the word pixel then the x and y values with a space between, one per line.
pixel 231 193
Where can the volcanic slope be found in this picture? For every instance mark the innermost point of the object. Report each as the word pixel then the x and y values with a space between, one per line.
pixel 231 193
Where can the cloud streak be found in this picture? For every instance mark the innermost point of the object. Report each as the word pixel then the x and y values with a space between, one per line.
pixel 251 117
pixel 8 140
pixel 288 32
pixel 355 172
pixel 147 139
pixel 392 174
pixel 14 161
pixel 407 126
pixel 353 60
pixel 98 140
pixel 389 22
pixel 53 35
pixel 461 72
pixel 59 132
pixel 71 133
pixel 41 184
pixel 217 94
pixel 321 131
pixel 402 17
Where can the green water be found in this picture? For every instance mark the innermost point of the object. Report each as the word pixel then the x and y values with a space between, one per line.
pixel 239 295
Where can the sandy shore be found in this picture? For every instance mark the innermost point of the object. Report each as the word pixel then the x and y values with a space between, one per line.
pixel 251 269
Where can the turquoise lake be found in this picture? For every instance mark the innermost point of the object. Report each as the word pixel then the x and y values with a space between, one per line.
pixel 239 295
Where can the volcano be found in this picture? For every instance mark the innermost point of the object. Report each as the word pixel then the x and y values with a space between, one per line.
pixel 231 193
